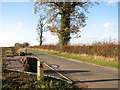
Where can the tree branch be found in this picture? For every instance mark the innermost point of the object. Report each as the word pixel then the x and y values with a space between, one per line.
pixel 57 3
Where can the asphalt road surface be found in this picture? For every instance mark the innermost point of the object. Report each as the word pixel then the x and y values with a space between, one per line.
pixel 88 75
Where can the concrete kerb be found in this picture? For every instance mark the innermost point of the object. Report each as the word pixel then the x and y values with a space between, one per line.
pixel 66 79
pixel 36 74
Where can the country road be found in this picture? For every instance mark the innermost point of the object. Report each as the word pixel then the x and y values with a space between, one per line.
pixel 90 76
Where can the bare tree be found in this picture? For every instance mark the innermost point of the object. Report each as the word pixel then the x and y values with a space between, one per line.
pixel 41 28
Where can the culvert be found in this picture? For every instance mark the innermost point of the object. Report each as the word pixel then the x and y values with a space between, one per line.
pixel 30 64
pixel 22 54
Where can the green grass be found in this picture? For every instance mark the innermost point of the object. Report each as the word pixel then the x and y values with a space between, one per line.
pixel 28 53
pixel 111 64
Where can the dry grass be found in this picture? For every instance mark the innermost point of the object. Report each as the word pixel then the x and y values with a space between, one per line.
pixel 101 53
pixel 112 64
pixel 84 55
pixel 104 50
pixel 97 57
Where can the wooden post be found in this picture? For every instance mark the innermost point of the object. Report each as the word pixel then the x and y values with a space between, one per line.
pixel 40 73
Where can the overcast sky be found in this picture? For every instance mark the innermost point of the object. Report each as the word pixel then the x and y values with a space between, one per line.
pixel 18 24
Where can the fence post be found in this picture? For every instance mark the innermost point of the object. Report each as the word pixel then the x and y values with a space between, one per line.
pixel 40 73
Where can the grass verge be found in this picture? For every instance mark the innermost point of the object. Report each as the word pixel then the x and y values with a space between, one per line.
pixel 112 64
pixel 28 53
pixel 18 80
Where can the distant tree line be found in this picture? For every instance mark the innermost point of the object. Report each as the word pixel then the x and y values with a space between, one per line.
pixel 18 46
pixel 25 44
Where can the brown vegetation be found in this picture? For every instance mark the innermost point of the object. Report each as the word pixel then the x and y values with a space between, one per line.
pixel 101 51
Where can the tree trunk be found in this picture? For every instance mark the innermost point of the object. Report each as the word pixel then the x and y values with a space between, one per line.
pixel 41 31
pixel 65 29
